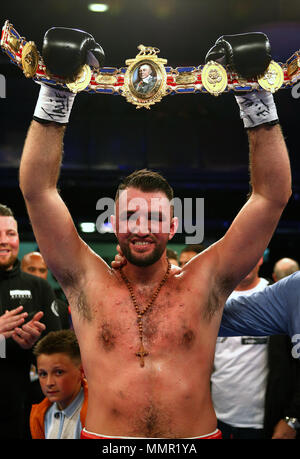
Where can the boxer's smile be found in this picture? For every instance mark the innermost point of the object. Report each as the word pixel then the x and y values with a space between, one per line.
pixel 142 245
pixel 146 248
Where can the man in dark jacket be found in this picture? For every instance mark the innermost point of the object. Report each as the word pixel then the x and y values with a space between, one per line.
pixel 38 300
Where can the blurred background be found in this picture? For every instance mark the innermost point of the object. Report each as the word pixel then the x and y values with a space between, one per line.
pixel 196 141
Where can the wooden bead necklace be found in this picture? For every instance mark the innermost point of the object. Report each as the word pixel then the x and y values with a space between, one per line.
pixel 140 313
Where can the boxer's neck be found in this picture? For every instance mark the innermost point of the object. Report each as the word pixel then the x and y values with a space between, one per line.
pixel 140 275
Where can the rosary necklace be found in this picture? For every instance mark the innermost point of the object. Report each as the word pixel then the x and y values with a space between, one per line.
pixel 142 352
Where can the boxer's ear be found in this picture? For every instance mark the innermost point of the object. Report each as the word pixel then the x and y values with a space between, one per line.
pixel 173 227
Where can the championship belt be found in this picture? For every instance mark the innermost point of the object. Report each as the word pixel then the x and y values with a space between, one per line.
pixel 211 78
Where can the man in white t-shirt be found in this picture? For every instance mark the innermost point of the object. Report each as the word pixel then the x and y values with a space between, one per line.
pixel 239 379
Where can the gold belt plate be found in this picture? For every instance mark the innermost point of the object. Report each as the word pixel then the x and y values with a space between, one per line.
pixel 273 78
pixel 214 78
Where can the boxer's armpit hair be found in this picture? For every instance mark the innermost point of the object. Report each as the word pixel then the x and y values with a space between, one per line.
pixel 78 302
pixel 75 294
pixel 83 308
pixel 215 303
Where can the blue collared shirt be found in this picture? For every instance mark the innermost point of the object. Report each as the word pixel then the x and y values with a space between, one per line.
pixel 54 413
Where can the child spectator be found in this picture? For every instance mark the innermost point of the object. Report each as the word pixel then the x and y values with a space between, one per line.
pixel 62 413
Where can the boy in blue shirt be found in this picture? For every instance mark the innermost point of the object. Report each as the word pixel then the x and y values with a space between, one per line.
pixel 62 413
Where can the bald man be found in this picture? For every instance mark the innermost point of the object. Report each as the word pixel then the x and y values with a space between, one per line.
pixel 284 267
pixel 33 263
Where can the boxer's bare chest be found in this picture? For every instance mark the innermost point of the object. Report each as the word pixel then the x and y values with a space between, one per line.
pixel 173 341
pixel 169 320
pixel 172 321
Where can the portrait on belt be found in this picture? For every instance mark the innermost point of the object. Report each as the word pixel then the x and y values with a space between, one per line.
pixel 144 79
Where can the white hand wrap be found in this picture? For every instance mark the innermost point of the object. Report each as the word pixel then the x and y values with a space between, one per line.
pixel 54 104
pixel 257 108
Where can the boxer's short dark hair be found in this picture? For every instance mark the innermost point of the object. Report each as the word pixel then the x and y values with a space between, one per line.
pixel 147 181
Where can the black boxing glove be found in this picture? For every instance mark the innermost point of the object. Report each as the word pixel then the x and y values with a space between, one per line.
pixel 247 54
pixel 65 51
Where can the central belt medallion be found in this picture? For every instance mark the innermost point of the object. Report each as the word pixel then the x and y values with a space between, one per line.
pixel 145 80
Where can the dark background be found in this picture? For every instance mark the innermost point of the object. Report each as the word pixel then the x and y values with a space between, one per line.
pixel 196 141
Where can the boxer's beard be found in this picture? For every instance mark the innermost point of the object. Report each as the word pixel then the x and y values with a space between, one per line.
pixel 142 261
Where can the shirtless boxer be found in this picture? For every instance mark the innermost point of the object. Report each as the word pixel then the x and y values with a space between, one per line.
pixel 149 376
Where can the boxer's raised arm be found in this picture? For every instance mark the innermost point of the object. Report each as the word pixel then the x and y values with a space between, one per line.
pixel 64 251
pixel 53 227
pixel 249 234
